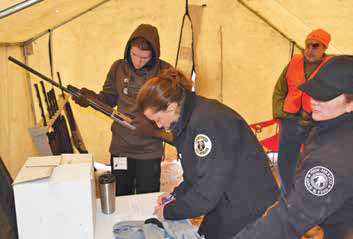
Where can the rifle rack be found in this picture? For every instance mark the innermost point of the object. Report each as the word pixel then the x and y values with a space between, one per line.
pixel 39 132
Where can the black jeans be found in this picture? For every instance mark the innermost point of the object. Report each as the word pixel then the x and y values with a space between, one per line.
pixel 291 137
pixel 141 176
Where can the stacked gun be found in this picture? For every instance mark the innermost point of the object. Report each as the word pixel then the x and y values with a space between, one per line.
pixel 58 134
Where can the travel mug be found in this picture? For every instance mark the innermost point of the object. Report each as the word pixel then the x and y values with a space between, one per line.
pixel 107 193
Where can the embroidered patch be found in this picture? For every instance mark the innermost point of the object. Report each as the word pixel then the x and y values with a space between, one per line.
pixel 202 145
pixel 319 181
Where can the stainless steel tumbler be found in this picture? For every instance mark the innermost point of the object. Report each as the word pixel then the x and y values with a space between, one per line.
pixel 107 193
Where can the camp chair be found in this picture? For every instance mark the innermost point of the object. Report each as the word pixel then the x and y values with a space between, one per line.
pixel 270 144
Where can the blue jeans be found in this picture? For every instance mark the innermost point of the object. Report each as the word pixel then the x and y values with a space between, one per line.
pixel 291 137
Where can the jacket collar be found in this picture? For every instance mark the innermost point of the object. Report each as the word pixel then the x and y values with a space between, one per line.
pixel 185 114
pixel 322 126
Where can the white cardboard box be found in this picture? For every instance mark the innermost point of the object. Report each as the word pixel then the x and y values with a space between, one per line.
pixel 55 197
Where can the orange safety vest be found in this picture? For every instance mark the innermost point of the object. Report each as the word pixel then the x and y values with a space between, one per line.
pixel 295 77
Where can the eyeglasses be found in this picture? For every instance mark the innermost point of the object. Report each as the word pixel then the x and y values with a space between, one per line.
pixel 312 45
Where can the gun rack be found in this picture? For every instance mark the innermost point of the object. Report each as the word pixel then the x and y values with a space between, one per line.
pixel 39 132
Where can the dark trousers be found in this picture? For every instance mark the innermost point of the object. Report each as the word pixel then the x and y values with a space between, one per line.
pixel 141 176
pixel 291 137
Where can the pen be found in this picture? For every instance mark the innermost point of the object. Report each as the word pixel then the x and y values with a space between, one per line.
pixel 171 197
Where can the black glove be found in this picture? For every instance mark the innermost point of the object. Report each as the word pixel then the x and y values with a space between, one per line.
pixel 82 99
pixel 154 221
pixel 144 126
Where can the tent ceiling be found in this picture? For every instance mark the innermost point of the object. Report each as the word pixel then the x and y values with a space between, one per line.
pixel 29 22
pixel 334 16
pixel 293 17
pixel 296 18
pixel 8 3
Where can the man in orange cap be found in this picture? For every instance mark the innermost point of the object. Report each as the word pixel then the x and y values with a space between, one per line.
pixel 292 107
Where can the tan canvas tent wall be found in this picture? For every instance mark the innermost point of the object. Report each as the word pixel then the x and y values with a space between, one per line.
pixel 242 46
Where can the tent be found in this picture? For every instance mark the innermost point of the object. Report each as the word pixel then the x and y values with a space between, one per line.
pixel 241 47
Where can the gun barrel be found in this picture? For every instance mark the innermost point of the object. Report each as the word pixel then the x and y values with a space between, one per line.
pixel 40 105
pixel 123 121
pixel 42 76
pixel 117 116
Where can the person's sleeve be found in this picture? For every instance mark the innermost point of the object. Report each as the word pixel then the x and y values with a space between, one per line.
pixel 165 65
pixel 181 189
pixel 272 226
pixel 319 191
pixel 109 94
pixel 215 172
pixel 279 94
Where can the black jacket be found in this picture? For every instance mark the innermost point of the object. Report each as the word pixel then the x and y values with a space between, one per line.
pixel 226 172
pixel 8 223
pixel 323 193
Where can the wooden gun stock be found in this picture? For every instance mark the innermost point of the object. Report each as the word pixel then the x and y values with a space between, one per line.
pixel 118 116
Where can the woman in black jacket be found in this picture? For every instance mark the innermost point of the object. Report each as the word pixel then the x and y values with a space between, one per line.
pixel 226 173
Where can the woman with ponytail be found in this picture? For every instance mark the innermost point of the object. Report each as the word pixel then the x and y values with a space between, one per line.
pixel 226 173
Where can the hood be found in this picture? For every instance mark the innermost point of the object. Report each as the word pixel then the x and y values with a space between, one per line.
pixel 150 33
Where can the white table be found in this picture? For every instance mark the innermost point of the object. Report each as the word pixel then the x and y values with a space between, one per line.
pixel 134 207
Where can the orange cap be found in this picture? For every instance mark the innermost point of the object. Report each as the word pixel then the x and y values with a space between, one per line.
pixel 320 35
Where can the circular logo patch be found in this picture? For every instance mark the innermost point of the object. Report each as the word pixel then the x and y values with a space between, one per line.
pixel 202 145
pixel 319 181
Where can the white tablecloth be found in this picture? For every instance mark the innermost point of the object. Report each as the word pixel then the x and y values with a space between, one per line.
pixel 134 207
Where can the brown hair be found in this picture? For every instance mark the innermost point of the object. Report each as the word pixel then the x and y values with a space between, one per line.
pixel 158 92
pixel 349 97
pixel 141 43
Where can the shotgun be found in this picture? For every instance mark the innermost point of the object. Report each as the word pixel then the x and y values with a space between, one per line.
pixel 60 126
pixel 93 102
pixel 75 131
pixel 40 105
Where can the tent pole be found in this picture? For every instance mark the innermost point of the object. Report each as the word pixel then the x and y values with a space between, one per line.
pixel 18 7
pixel 27 52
